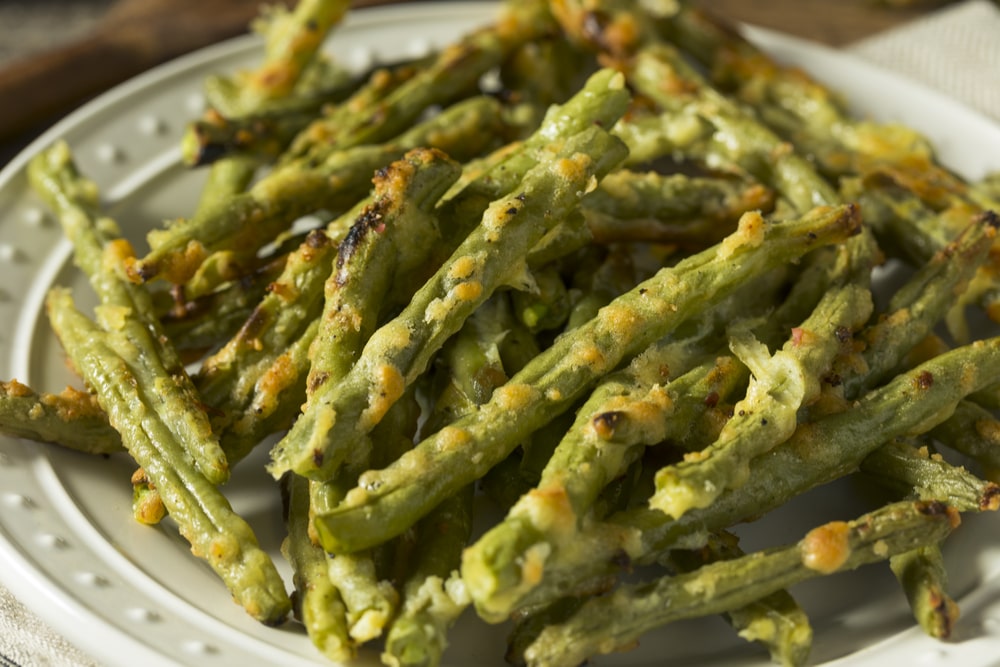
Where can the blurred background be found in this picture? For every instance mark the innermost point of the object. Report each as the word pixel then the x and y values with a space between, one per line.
pixel 54 54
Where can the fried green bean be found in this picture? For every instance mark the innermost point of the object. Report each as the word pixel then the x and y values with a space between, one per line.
pixel 107 361
pixel 920 304
pixel 434 594
pixel 71 418
pixel 922 575
pixel 693 212
pixel 781 384
pixel 606 623
pixel 912 471
pixel 383 256
pixel 250 220
pixel 974 431
pixel 910 403
pixel 548 385
pixel 660 71
pixel 291 40
pixel 453 73
pixel 317 602
pixel 101 253
pixel 776 620
pixel 486 259
pixel 909 470
pixel 208 320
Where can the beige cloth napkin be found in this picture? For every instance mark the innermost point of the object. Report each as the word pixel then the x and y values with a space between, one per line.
pixel 955 50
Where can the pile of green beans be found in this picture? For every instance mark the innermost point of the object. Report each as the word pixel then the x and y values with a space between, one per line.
pixel 623 294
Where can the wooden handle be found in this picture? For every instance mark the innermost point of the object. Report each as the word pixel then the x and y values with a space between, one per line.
pixel 136 35
pixel 34 90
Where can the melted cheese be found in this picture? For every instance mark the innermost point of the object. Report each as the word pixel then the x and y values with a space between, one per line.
pixel 826 548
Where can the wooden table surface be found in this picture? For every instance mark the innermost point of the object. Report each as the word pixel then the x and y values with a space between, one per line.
pixel 833 22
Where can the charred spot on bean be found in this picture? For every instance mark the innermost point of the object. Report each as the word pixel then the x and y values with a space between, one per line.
pixel 318 380
pixel 642 291
pixel 932 508
pixel 763 421
pixel 317 457
pixel 621 560
pixel 990 218
pixel 593 25
pixel 256 323
pixel 712 399
pixel 145 271
pixel 317 239
pixel 521 197
pixel 843 334
pixel 833 379
pixel 990 499
pixel 605 422
pixel 370 219
pixel 311 25
pixel 925 380
pixel 209 151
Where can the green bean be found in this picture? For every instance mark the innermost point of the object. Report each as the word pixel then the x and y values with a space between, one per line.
pixel 71 418
pixel 456 70
pixel 551 383
pixel 318 604
pixel 401 349
pixel 910 403
pixel 126 308
pixel 249 221
pixel 974 431
pixel 910 471
pixel 781 384
pixel 107 362
pixel 606 623
pixel 775 620
pixel 675 208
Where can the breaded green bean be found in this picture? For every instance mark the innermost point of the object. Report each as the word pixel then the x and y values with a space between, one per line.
pixel 910 403
pixel 920 304
pixel 126 308
pixel 693 212
pixel 71 418
pixel 974 431
pixel 912 471
pixel 781 384
pixel 251 220
pixel 453 73
pixel 547 386
pixel 292 40
pixel 206 321
pixel 915 472
pixel 776 620
pixel 659 71
pixel 107 361
pixel 317 602
pixel 399 351
pixel 381 259
pixel 606 623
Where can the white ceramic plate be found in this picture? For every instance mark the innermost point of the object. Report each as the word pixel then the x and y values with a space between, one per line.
pixel 133 595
